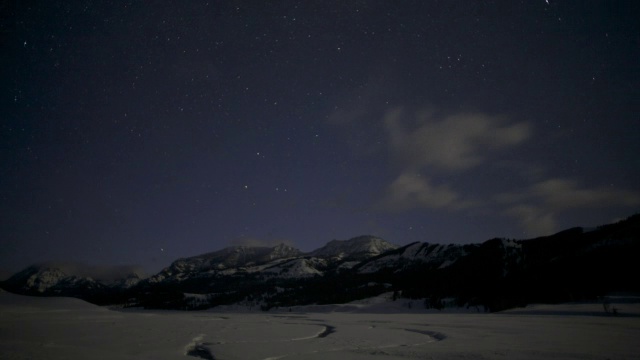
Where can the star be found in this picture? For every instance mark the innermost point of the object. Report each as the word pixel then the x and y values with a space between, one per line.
pixel 191 118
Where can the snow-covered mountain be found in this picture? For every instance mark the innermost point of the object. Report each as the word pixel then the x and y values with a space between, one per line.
pixel 498 273
pixel 296 268
pixel 126 282
pixel 224 262
pixel 47 279
pixel 435 256
pixel 67 279
pixel 279 261
pixel 355 249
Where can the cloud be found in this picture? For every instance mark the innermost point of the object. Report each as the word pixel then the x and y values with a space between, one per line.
pixel 562 194
pixel 422 143
pixel 533 219
pixel 409 191
pixel 538 206
pixel 451 143
pixel 427 147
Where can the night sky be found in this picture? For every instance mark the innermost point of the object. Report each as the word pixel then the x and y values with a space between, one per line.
pixel 138 132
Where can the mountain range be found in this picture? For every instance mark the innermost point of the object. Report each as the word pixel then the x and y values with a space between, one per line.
pixel 574 264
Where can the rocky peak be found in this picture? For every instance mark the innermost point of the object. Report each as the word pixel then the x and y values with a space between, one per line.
pixel 361 247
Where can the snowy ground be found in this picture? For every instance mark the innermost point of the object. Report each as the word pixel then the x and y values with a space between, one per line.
pixel 63 328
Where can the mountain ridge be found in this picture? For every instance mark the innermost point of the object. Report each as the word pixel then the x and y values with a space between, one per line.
pixel 498 272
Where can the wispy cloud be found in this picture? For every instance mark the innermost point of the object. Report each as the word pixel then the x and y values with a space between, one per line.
pixel 409 191
pixel 453 142
pixel 539 205
pixel 422 143
pixel 533 219
pixel 426 148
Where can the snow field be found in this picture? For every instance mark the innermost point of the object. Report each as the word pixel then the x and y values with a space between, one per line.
pixel 62 328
